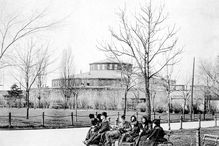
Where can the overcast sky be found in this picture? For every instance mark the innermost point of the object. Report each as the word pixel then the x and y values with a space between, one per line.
pixel 88 21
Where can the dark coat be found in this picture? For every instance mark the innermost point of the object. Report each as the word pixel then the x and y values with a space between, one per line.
pixel 92 131
pixel 104 126
pixel 135 129
pixel 145 129
pixel 156 136
pixel 124 127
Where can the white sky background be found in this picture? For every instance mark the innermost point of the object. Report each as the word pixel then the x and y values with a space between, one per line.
pixel 88 21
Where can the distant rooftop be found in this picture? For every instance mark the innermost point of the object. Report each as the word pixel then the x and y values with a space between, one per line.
pixel 104 74
pixel 108 60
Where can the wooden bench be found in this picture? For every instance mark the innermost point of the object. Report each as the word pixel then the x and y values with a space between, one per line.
pixel 210 138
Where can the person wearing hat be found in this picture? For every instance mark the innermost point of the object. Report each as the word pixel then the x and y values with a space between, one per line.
pixel 133 133
pixel 145 129
pixel 123 127
pixel 99 136
pixel 157 134
pixel 93 130
pixel 99 118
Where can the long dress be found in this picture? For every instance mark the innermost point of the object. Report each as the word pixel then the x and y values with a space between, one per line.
pixel 131 135
pixel 156 137
pixel 146 131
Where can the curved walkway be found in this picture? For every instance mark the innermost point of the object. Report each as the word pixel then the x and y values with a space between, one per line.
pixel 67 137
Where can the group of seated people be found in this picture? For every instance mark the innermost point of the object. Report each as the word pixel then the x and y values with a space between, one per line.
pixel 101 132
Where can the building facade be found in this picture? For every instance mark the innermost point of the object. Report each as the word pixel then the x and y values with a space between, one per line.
pixel 105 73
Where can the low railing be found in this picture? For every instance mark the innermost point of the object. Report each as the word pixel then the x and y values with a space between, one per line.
pixel 75 120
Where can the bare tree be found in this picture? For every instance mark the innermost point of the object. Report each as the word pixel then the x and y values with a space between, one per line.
pixel 128 79
pixel 167 85
pixel 31 62
pixel 41 80
pixel 209 72
pixel 16 28
pixel 145 40
pixel 68 82
pixel 209 75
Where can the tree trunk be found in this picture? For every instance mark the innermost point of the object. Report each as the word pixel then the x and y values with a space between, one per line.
pixel 27 98
pixel 76 107
pixel 65 101
pixel 39 103
pixel 147 96
pixel 169 102
pixel 204 108
pixel 126 92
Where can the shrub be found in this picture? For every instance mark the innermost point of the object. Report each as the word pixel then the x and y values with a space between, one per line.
pixel 103 105
pixel 45 104
pixel 186 111
pixel 83 103
pixel 160 109
pixel 177 108
pixel 3 102
pixel 196 109
pixel 97 104
pixel 213 108
pixel 141 107
pixel 111 105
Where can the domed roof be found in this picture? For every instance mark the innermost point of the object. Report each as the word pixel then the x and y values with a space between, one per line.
pixel 108 60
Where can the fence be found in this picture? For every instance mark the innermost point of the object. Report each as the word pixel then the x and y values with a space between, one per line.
pixel 82 119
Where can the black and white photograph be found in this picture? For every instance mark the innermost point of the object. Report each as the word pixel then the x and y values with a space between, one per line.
pixel 109 73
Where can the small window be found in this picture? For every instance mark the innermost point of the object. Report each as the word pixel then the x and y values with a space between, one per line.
pixel 98 66
pixel 119 67
pixel 95 67
pixel 110 66
pixel 104 67
pixel 115 66
pixel 101 66
pixel 91 67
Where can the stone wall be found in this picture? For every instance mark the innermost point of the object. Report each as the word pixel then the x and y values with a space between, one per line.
pixel 93 97
pixel 107 97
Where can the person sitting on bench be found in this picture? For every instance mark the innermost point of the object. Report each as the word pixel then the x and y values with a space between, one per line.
pixel 123 127
pixel 94 122
pixel 134 132
pixel 93 129
pixel 99 119
pixel 145 130
pixel 157 134
pixel 98 137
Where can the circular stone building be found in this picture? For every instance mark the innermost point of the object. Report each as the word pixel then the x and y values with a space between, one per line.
pixel 104 73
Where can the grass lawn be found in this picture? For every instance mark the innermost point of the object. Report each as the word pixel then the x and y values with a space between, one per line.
pixel 188 137
pixel 60 118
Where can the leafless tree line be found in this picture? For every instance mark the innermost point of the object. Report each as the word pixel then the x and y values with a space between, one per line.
pixel 209 75
pixel 28 58
pixel 68 80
